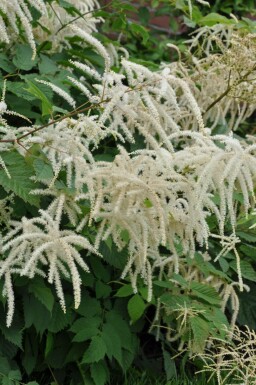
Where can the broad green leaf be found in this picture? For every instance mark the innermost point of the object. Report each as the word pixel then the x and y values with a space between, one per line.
pixel 23 57
pixel 249 236
pixel 35 313
pixel 89 307
pixel 122 329
pixel 124 291
pixel 86 333
pixel 248 250
pixel 85 322
pixel 99 373
pixel 169 365
pixel 175 301
pixel 13 333
pixel 136 307
pixel 215 18
pixel 20 173
pixel 29 359
pixel 247 309
pixel 200 329
pixel 247 270
pixel 96 351
pixel 59 319
pixel 112 341
pixel 46 104
pixel 102 290
pixel 42 169
pixel 6 64
pixel 46 65
pixel 205 292
pixel 42 293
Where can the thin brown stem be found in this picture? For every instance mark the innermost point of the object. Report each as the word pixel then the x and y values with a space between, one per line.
pixel 225 93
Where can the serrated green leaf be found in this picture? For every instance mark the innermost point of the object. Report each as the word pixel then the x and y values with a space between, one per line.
pixel 200 329
pixel 205 292
pixel 46 104
pixel 124 291
pixel 20 173
pixel 13 334
pixel 112 341
pixel 59 319
pixel 122 329
pixel 46 65
pixel 247 270
pixel 86 333
pixel 174 302
pixel 99 373
pixel 39 317
pixel 43 294
pixel 6 64
pixel 23 57
pixel 85 322
pixel 136 307
pixel 248 250
pixel 42 169
pixel 96 351
pixel 249 237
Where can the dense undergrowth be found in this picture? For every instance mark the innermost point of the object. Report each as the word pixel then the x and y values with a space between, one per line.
pixel 127 193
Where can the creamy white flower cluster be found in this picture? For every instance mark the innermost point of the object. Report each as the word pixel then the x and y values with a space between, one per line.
pixel 160 195
pixel 222 69
pixel 19 10
pixel 55 19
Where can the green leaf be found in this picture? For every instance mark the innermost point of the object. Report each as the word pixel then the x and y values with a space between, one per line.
pixel 215 18
pixel 174 302
pixel 169 365
pixel 42 293
pixel 99 373
pixel 102 290
pixel 13 334
pixel 59 319
pixel 86 333
pixel 205 292
pixel 249 237
pixel 85 322
pixel 49 344
pixel 35 313
pixel 96 351
pixel 136 307
pixel 5 63
pixel 46 65
pixel 23 57
pixel 112 341
pixel 124 291
pixel 42 169
pixel 248 250
pixel 122 329
pixel 247 270
pixel 200 329
pixel 20 173
pixel 247 309
pixel 46 104
pixel 140 31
